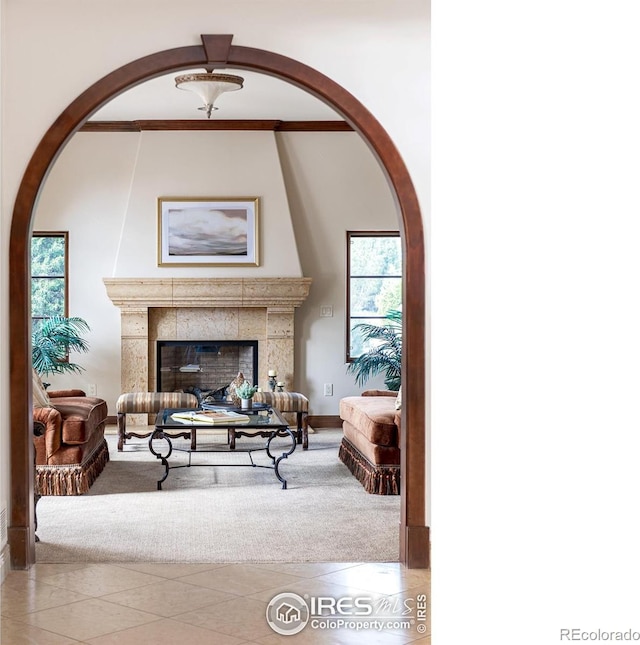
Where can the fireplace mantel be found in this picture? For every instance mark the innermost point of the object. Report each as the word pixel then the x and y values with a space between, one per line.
pixel 205 308
pixel 207 292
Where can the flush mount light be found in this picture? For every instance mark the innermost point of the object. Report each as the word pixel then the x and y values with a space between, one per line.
pixel 208 86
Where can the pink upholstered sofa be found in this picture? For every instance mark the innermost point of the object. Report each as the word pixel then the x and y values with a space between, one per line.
pixel 370 445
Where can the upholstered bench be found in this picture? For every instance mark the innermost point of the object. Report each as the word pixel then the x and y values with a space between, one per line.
pixel 148 403
pixel 289 402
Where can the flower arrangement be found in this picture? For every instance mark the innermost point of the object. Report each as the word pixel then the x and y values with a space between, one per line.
pixel 246 390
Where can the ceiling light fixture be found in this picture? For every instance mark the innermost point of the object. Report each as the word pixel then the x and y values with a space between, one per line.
pixel 209 86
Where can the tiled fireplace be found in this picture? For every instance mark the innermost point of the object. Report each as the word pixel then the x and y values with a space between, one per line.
pixel 196 309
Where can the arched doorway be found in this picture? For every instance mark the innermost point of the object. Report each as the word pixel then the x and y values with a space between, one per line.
pixel 217 50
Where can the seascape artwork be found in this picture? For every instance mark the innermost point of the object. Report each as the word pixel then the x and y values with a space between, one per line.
pixel 208 231
pixel 204 231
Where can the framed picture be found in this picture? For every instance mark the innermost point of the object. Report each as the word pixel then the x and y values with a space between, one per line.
pixel 208 231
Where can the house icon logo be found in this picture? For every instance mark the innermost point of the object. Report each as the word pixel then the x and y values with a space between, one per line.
pixel 287 614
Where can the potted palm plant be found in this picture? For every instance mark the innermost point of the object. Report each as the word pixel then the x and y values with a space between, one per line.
pixel 385 353
pixel 52 340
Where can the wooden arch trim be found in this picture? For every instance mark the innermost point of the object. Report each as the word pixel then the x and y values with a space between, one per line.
pixel 414 534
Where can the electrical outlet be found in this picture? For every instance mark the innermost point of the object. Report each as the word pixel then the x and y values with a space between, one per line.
pixel 326 311
pixel 92 389
pixel 328 389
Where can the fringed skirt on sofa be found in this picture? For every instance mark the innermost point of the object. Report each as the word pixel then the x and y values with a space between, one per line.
pixel 371 437
pixel 72 479
pixel 379 479
pixel 376 479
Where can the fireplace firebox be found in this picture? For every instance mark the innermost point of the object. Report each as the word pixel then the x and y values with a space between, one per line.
pixel 204 367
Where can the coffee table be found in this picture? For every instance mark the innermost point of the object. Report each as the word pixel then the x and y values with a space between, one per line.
pixel 266 423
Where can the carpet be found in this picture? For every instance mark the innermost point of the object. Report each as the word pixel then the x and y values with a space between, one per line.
pixel 221 514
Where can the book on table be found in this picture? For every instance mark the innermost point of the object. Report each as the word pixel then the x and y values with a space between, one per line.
pixel 210 416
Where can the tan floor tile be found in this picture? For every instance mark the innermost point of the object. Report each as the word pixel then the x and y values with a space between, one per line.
pixel 168 598
pixel 100 579
pixel 310 586
pixel 310 636
pixel 305 569
pixel 44 569
pixel 30 595
pixel 171 570
pixel 412 577
pixel 88 619
pixel 240 579
pixel 379 577
pixel 166 632
pixel 138 598
pixel 13 632
pixel 15 578
pixel 243 618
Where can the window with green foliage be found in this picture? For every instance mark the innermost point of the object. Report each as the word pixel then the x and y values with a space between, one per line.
pixel 374 282
pixel 49 275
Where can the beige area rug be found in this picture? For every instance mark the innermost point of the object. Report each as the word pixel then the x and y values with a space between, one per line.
pixel 221 514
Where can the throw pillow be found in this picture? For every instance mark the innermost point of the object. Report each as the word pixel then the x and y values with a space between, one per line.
pixel 40 397
pixel 399 399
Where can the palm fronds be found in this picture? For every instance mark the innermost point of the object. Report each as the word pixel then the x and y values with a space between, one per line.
pixel 53 339
pixel 385 356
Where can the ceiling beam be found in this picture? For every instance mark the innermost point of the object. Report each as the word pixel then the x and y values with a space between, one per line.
pixel 200 124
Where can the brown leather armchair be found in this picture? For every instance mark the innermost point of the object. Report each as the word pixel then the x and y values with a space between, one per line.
pixel 72 450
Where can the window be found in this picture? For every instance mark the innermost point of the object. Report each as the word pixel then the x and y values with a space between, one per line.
pixel 49 275
pixel 374 281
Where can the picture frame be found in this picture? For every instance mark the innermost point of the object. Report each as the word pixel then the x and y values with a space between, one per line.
pixel 208 231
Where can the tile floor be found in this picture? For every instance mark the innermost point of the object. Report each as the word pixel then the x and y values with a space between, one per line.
pixel 223 604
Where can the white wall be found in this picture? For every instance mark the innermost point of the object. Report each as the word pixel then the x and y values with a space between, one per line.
pixel 104 189
pixel 53 51
pixel 207 164
pixel 87 195
pixel 334 186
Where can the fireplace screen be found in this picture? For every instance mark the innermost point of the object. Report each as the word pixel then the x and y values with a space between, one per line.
pixel 205 368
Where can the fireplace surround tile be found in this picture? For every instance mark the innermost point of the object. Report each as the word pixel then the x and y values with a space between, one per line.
pixel 135 324
pixel 196 324
pixel 252 322
pixel 280 324
pixel 163 322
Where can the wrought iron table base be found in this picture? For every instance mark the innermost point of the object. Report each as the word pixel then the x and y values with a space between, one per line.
pixel 233 434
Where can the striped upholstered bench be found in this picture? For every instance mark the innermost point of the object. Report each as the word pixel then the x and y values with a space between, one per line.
pixel 289 402
pixel 148 403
